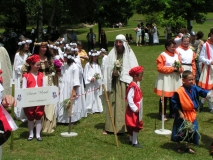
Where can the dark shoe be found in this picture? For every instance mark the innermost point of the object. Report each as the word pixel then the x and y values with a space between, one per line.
pixel 137 145
pixel 130 142
pixel 39 139
pixel 29 138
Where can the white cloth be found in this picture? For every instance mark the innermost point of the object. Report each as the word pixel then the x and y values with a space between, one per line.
pixel 103 63
pixel 19 60
pixel 69 80
pixel 155 36
pixel 129 61
pixel 93 101
pixel 132 105
pixel 185 55
pixel 207 63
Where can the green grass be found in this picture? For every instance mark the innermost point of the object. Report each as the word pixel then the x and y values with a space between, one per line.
pixel 91 144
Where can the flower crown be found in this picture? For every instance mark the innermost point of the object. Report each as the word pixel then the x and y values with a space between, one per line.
pixel 23 42
pixel 94 53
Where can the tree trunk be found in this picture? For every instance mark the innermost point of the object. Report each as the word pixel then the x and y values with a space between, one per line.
pixel 99 32
pixel 50 22
pixel 189 25
pixel 23 16
pixel 40 22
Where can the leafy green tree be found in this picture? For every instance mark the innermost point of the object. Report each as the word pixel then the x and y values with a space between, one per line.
pixel 176 10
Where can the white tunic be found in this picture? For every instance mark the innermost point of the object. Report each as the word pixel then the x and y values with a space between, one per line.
pixel 93 101
pixel 69 80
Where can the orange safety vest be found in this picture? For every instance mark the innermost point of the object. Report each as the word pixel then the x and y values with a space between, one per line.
pixel 186 105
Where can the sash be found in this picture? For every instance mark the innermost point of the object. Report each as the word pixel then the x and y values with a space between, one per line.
pixel 186 105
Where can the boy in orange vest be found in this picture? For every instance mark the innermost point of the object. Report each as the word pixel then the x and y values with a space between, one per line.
pixel 134 97
pixel 184 101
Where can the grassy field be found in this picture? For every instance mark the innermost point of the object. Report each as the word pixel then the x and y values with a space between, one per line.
pixel 91 144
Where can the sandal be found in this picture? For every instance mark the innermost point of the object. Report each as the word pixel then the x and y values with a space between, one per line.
pixel 190 150
pixel 104 133
pixel 179 150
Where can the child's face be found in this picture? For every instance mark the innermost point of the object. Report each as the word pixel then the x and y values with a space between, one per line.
pixel 94 58
pixel 138 77
pixel 189 80
pixel 36 66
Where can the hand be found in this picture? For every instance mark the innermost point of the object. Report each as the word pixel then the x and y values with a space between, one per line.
pixel 8 101
pixel 137 111
pixel 93 79
pixel 115 73
pixel 181 115
pixel 211 62
pixel 73 93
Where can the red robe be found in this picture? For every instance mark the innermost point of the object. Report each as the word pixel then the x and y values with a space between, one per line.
pixel 35 112
pixel 132 118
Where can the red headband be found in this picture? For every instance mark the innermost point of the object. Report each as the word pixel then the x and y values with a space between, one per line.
pixel 33 59
pixel 135 70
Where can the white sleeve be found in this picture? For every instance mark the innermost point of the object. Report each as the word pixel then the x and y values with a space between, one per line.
pixel 203 58
pixel 43 81
pixel 24 82
pixel 17 65
pixel 130 97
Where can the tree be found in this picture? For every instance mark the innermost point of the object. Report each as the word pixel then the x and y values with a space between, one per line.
pixel 188 10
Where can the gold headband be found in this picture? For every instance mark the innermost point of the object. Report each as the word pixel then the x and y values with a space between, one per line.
pixel 40 44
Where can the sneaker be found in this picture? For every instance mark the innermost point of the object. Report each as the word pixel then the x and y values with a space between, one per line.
pixel 137 145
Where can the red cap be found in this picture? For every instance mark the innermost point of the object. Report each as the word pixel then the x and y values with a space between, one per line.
pixel 135 70
pixel 33 59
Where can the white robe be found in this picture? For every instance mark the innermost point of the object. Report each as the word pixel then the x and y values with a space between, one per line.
pixel 155 36
pixel 93 101
pixel 17 65
pixel 69 80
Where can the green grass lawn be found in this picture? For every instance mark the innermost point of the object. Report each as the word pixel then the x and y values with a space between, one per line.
pixel 91 144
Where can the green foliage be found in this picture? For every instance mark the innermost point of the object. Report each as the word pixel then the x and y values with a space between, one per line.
pixel 176 10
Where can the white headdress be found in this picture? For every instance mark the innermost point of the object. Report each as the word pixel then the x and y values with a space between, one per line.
pixel 23 42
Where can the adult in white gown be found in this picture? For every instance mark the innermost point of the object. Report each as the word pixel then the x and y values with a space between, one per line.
pixel 93 101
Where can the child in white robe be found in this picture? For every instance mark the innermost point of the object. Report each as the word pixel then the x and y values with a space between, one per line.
pixel 69 85
pixel 93 79
pixel 19 60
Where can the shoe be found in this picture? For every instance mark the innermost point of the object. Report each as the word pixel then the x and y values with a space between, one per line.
pixel 29 138
pixel 137 145
pixel 39 139
pixel 130 142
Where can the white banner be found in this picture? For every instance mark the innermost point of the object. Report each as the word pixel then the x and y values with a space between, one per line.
pixel 36 96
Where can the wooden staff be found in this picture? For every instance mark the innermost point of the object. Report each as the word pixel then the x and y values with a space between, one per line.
pixel 70 118
pixel 110 113
pixel 12 115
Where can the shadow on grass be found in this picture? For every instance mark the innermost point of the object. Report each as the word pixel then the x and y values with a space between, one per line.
pixel 206 141
pixel 99 126
pixel 153 115
pixel 169 146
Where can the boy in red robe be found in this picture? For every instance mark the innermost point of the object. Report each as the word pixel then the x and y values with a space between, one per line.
pixel 133 117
